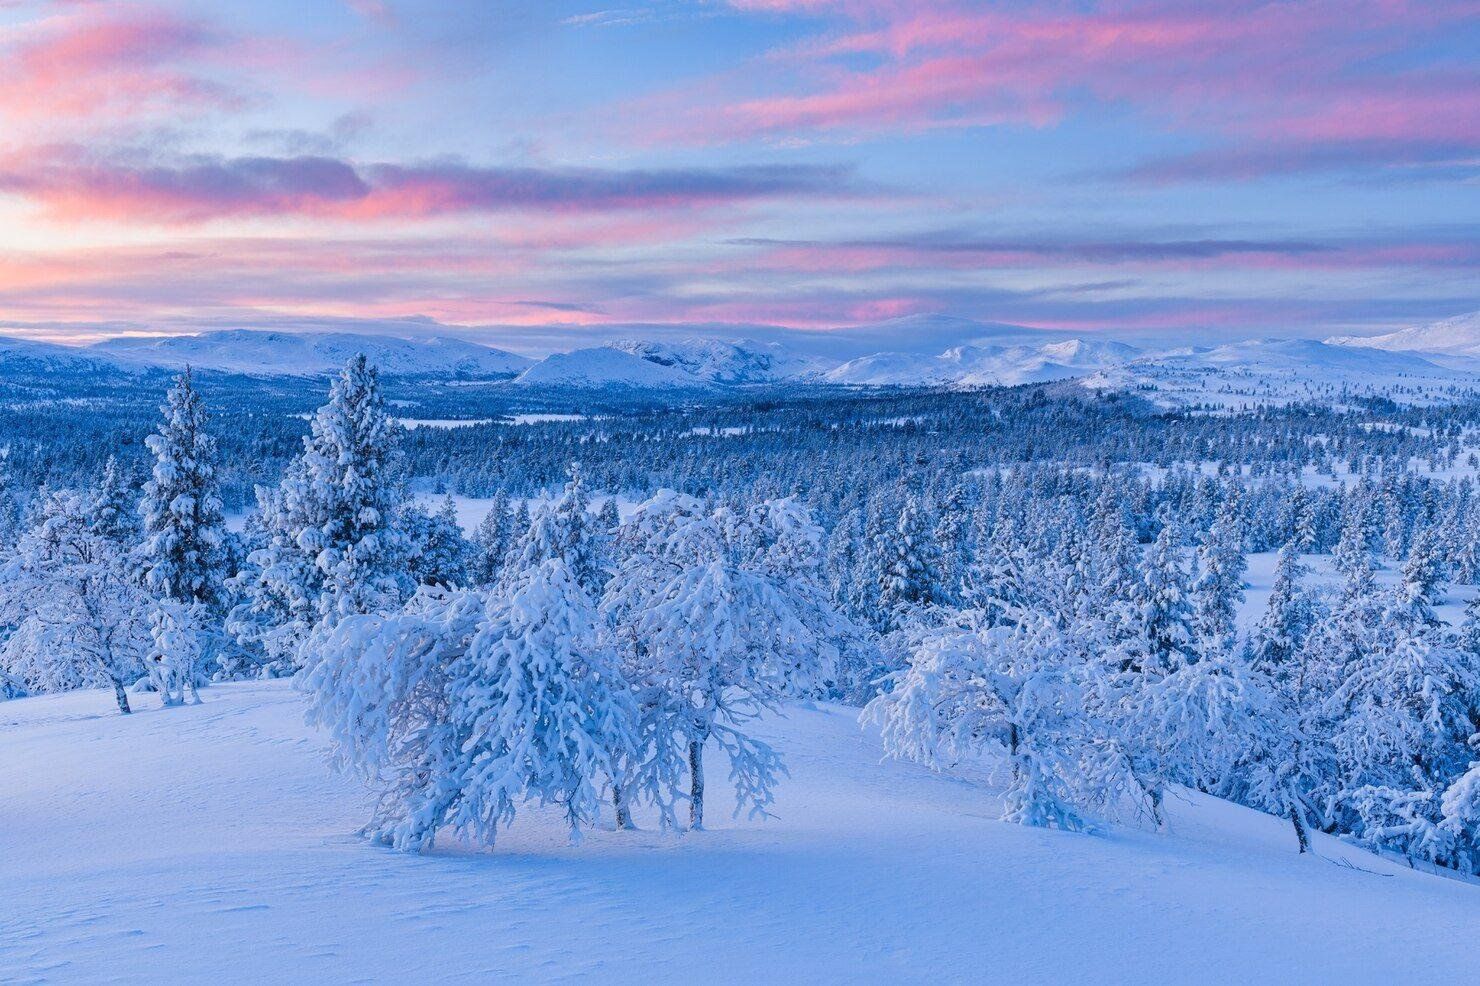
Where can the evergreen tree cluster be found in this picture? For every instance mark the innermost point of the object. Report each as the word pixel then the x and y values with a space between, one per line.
pixel 1353 710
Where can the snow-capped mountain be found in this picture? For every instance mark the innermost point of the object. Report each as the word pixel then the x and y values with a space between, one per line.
pixel 719 361
pixel 1281 371
pixel 1457 336
pixel 291 354
pixel 604 367
pixel 975 366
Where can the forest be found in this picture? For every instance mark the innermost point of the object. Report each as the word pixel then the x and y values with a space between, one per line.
pixel 1039 581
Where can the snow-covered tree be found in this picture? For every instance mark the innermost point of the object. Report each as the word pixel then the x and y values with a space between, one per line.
pixel 1164 613
pixel 439 552
pixel 112 515
pixel 1115 556
pixel 1353 557
pixel 998 576
pixel 609 517
pixel 1287 619
pixel 545 715
pixel 348 460
pixel 461 708
pixel 780 542
pixel 519 522
pixel 1422 574
pixel 1201 718
pixel 491 541
pixel 1403 712
pixel 604 535
pixel 1460 810
pixel 714 632
pixel 565 530
pixel 174 661
pixel 1219 587
pixel 952 537
pixel 706 632
pixel 334 546
pixel 383 688
pixel 182 554
pixel 182 557
pixel 1006 693
pixel 12 504
pixel 79 616
pixel 910 564
pixel 281 583
pixel 1287 764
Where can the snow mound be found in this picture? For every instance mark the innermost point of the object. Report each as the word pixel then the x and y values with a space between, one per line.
pixel 262 353
pixel 191 844
pixel 603 367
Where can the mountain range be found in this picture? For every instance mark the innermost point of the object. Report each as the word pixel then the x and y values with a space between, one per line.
pixel 1440 356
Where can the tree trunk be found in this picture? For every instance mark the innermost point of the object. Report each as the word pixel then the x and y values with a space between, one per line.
pixel 121 696
pixel 619 804
pixel 696 785
pixel 1300 833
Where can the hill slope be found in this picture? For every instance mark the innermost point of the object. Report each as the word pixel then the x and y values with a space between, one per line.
pixel 189 845
pixel 723 361
pixel 600 367
pixel 1278 371
pixel 19 356
pixel 1457 336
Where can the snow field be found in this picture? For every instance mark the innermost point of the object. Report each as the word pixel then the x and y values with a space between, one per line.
pixel 211 843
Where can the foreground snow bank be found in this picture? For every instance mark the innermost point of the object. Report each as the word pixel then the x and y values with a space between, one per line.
pixel 210 843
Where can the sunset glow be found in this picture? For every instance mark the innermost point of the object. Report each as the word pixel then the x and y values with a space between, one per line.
pixel 1167 166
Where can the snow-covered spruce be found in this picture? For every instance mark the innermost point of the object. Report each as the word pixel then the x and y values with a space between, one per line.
pixel 333 546
pixel 182 555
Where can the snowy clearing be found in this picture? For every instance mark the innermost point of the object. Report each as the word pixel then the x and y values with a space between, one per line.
pixel 411 424
pixel 211 844
pixel 472 509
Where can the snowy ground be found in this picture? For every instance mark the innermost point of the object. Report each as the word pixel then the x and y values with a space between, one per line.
pixel 211 844
pixel 1259 583
pixel 471 509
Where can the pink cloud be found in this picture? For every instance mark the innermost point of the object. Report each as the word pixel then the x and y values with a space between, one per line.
pixel 105 61
pixel 1247 69
pixel 951 252
pixel 72 184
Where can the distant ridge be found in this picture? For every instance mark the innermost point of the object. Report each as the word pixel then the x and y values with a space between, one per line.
pixel 269 353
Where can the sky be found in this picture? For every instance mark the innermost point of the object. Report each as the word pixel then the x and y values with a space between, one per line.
pixel 534 175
